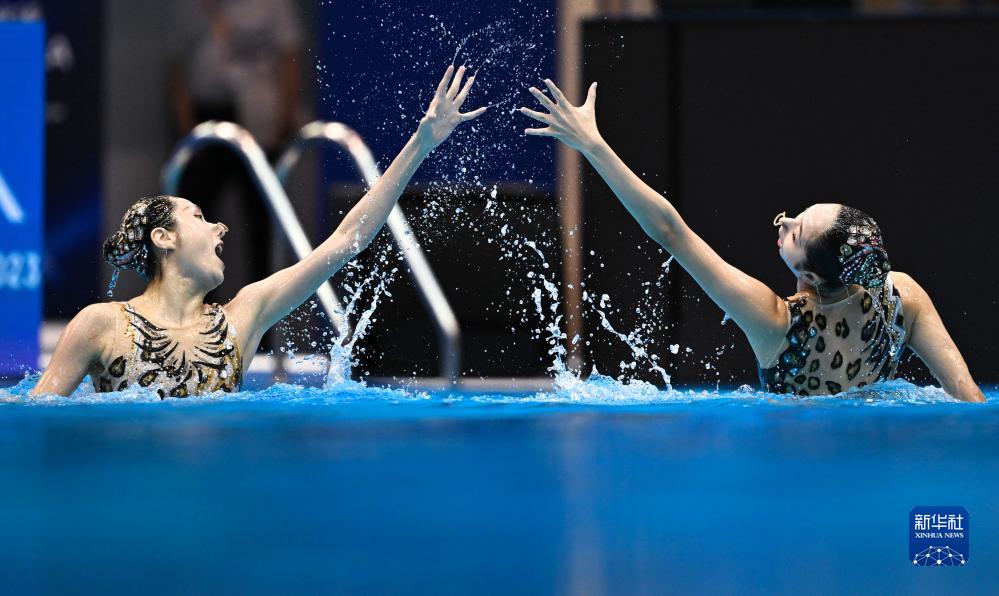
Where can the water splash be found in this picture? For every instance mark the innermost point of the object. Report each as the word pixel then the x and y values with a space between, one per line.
pixel 373 285
pixel 634 340
pixel 506 56
pixel 569 384
pixel 571 390
pixel 114 282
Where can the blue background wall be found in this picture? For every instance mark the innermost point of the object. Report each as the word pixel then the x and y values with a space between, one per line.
pixel 380 61
pixel 22 86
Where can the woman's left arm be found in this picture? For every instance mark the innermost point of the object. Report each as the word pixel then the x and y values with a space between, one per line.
pixel 262 304
pixel 930 340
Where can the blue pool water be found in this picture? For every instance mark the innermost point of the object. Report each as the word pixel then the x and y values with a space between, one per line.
pixel 600 488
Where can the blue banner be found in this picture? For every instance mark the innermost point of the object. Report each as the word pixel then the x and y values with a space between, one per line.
pixel 22 86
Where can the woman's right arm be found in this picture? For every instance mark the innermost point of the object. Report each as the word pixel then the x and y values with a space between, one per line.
pixel 79 347
pixel 262 304
pixel 755 308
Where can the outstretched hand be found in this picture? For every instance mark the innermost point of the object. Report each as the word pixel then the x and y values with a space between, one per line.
pixel 574 126
pixel 443 116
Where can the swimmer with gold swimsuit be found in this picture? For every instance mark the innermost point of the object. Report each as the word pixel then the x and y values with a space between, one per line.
pixel 167 338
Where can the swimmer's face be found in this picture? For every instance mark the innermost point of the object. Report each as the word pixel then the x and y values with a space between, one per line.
pixel 794 234
pixel 197 247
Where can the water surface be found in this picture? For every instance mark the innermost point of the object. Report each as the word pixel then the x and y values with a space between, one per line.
pixel 597 488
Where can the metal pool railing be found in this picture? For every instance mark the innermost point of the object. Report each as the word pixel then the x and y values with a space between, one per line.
pixel 271 187
pixel 242 144
pixel 320 133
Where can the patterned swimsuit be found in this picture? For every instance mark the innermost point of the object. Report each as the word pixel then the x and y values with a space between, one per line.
pixel 830 348
pixel 176 362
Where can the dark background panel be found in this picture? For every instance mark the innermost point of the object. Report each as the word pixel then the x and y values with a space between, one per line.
pixel 896 117
pixel 485 283
pixel 631 63
pixel 478 256
pixel 888 116
pixel 73 144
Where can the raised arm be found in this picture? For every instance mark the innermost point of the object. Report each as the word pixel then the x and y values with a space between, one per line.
pixel 758 311
pixel 79 347
pixel 930 340
pixel 259 305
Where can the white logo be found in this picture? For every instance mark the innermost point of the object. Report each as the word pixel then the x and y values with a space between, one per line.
pixel 9 205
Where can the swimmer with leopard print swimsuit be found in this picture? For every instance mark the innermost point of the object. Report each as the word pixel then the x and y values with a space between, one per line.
pixel 815 344
pixel 833 347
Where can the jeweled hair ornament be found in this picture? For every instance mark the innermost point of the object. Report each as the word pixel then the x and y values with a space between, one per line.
pixel 128 246
pixel 864 259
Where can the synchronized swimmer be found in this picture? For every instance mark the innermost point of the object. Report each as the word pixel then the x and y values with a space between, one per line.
pixel 847 326
pixel 852 317
pixel 168 338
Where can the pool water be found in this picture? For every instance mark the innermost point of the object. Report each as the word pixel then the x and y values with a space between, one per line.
pixel 600 488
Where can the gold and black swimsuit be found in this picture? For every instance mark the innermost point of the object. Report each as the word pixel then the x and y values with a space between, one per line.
pixel 829 348
pixel 200 358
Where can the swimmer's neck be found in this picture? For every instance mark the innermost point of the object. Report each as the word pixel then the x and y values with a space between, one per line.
pixel 178 303
pixel 825 296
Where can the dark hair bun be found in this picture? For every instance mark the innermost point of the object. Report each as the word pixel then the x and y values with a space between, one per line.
pixel 128 247
pixel 851 251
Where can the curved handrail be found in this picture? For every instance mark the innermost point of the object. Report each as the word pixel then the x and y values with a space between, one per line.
pixel 242 143
pixel 445 322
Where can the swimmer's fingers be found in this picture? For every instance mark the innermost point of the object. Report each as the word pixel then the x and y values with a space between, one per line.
pixel 542 99
pixel 557 93
pixel 539 116
pixel 455 83
pixel 591 95
pixel 464 92
pixel 540 132
pixel 439 92
pixel 473 114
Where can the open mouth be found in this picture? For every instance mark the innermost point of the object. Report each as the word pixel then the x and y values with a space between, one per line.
pixel 218 250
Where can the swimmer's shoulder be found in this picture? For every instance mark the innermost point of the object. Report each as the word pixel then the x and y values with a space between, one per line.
pixel 95 323
pixel 903 280
pixel 86 338
pixel 914 297
pixel 98 314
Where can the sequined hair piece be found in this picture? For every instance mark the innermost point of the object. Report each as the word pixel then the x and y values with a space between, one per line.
pixel 850 251
pixel 863 257
pixel 128 247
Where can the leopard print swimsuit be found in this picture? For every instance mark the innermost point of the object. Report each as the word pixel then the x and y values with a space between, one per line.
pixel 200 358
pixel 830 348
